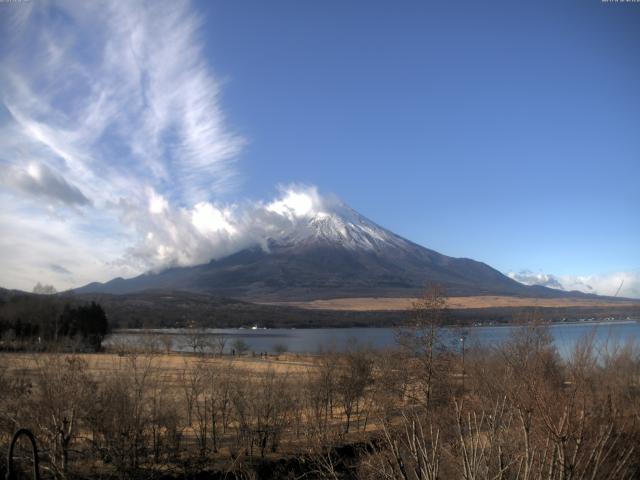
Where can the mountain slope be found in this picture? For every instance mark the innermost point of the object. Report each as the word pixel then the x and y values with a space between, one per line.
pixel 332 253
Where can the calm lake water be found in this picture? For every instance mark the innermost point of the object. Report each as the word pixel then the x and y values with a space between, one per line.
pixel 312 340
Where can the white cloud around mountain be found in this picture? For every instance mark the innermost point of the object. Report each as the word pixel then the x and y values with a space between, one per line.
pixel 179 236
pixel 624 284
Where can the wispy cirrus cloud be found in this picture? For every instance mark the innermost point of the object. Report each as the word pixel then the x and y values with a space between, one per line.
pixel 624 284
pixel 102 103
pixel 116 92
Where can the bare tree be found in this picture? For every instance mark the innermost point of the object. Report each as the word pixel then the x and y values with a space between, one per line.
pixel 421 340
pixel 164 425
pixel 197 384
pixel 119 415
pixel 320 385
pixel 150 343
pixel 190 381
pixel 354 376
pixel 219 342
pixel 195 340
pixel 60 399
pixel 409 450
pixel 240 346
pixel 392 381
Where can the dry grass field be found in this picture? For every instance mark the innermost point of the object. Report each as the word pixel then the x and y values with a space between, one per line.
pixel 169 366
pixel 161 410
pixel 364 304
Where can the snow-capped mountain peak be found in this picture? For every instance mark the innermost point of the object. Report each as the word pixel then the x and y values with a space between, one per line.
pixel 340 225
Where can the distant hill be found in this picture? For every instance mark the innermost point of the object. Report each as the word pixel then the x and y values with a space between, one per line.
pixel 161 308
pixel 333 254
pixel 172 309
pixel 6 294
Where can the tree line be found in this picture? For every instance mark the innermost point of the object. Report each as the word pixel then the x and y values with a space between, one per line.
pixel 35 322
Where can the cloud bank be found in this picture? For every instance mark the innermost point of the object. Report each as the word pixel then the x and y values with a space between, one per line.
pixel 624 284
pixel 180 236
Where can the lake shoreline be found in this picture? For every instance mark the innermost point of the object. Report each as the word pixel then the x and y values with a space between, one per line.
pixel 187 330
pixel 312 340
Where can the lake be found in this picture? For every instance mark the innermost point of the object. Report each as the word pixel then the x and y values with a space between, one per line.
pixel 312 340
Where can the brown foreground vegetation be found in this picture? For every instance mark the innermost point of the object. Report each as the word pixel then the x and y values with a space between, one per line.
pixel 422 411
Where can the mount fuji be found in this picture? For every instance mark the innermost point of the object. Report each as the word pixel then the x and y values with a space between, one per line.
pixel 332 252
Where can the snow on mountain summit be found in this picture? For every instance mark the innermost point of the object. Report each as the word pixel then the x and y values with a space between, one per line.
pixel 340 225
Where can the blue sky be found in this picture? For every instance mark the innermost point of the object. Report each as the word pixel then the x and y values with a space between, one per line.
pixel 508 132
